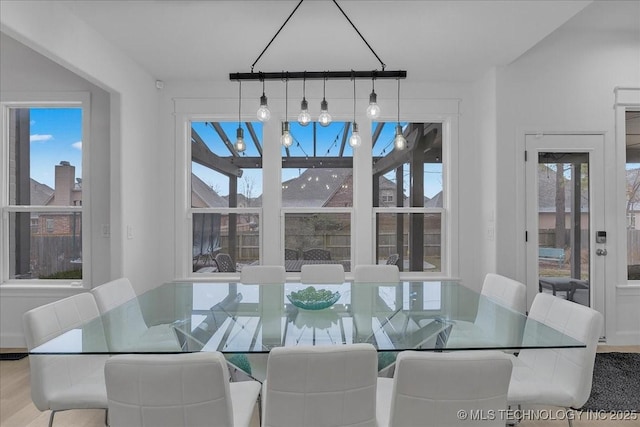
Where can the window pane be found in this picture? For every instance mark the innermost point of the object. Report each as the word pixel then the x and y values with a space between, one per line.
pixel 45 152
pixel 225 242
pixel 633 194
pixel 317 168
pixel 321 236
pixel 410 177
pixel 45 245
pixel 220 175
pixel 412 241
pixel 45 169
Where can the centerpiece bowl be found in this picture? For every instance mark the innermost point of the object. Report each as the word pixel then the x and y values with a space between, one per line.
pixel 311 298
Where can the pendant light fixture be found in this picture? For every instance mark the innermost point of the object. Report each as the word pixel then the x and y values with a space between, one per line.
pixel 325 117
pixel 240 144
pixel 399 142
pixel 373 110
pixel 304 117
pixel 263 112
pixel 286 139
pixel 354 140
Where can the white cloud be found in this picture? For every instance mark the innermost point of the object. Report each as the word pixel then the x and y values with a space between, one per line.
pixel 77 145
pixel 40 138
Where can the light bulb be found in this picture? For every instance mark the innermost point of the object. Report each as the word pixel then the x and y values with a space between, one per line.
pixel 355 139
pixel 373 110
pixel 286 139
pixel 325 117
pixel 304 117
pixel 263 112
pixel 399 142
pixel 240 145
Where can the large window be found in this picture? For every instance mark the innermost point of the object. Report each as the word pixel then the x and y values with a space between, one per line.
pixel 317 194
pixel 408 196
pixel 226 196
pixel 42 224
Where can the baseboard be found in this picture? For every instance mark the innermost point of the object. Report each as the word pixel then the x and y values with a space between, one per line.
pixel 12 340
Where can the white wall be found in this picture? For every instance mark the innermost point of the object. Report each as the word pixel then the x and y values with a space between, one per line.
pixel 566 83
pixel 130 193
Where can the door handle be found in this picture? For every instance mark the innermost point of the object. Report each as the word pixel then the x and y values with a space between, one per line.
pixel 601 252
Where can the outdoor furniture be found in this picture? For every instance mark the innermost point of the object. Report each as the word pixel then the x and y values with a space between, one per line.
pixel 316 254
pixel 394 259
pixel 562 284
pixel 290 253
pixel 225 263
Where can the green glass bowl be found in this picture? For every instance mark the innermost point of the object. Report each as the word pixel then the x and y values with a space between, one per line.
pixel 314 305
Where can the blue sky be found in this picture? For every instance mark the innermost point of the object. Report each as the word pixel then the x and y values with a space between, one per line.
pixel 56 135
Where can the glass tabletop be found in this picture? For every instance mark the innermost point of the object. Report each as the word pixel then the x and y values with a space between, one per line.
pixel 238 318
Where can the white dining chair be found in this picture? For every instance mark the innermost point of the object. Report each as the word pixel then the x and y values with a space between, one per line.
pixel 429 389
pixel 169 390
pixel 125 327
pixel 262 274
pixel 556 376
pixel 499 320
pixel 376 273
pixel 320 386
pixel 63 382
pixel 322 273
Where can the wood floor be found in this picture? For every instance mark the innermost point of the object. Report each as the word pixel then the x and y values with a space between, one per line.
pixel 17 410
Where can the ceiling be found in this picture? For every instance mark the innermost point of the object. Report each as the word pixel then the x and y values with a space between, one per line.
pixel 443 41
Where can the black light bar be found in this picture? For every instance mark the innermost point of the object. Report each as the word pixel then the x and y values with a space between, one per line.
pixel 319 75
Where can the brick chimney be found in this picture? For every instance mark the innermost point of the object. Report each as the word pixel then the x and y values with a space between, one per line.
pixel 65 179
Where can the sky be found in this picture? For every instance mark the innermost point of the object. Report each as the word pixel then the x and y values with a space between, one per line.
pixel 56 135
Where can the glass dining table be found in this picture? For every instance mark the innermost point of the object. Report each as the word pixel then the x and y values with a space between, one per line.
pixel 249 320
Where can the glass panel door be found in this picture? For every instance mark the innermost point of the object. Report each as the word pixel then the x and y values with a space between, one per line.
pixel 566 239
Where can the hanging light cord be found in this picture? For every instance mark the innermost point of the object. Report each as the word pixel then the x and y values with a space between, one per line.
pixel 239 101
pixel 398 101
pixel 276 35
pixel 354 100
pixel 382 64
pixel 286 99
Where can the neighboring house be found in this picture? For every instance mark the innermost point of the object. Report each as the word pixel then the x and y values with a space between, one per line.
pixel 67 192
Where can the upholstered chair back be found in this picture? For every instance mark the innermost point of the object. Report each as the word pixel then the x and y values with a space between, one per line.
pixel 377 273
pixel 60 382
pixel 566 369
pixel 430 389
pixel 321 386
pixel 168 390
pixel 322 273
pixel 263 274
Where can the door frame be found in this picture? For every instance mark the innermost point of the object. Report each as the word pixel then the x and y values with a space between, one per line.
pixel 597 219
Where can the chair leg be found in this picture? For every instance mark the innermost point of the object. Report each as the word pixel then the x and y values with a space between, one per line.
pixel 570 415
pixel 51 417
pixel 106 417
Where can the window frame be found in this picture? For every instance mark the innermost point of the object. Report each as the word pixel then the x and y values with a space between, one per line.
pixel 24 100
pixel 184 225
